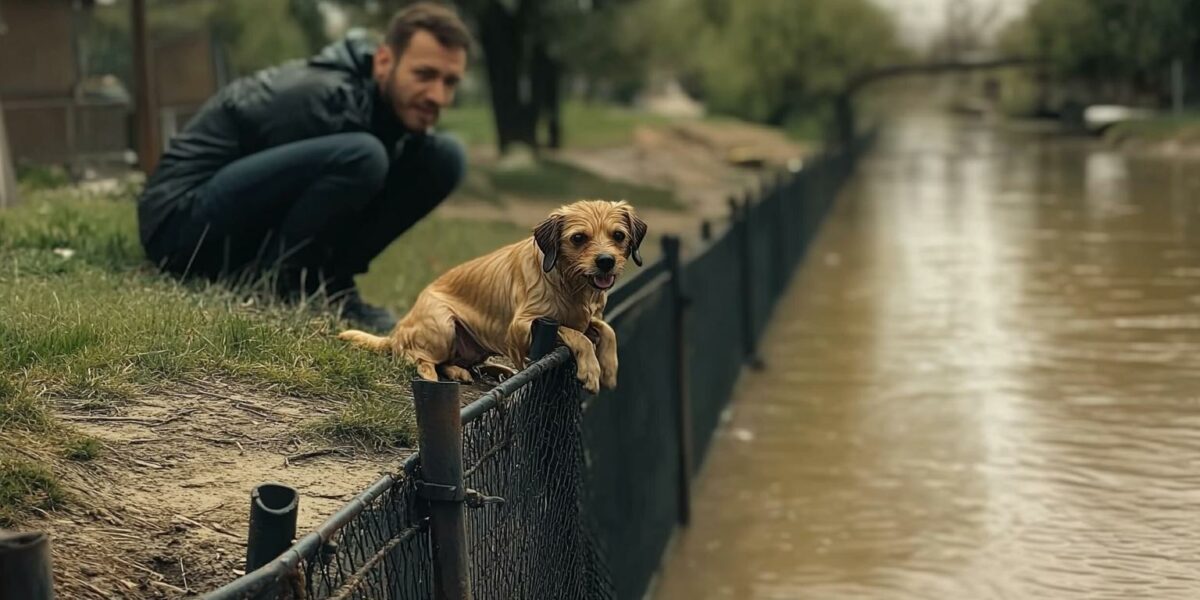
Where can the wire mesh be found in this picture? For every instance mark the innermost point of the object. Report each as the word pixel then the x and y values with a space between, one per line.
pixel 376 547
pixel 713 350
pixel 528 451
pixel 381 554
pixel 632 440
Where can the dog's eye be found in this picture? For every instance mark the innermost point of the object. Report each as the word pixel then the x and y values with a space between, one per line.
pixel 578 239
pixel 618 236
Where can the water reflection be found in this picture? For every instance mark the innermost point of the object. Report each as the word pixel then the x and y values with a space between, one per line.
pixel 984 384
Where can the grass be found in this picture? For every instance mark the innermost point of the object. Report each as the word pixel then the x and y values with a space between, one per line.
pixel 82 449
pixel 1185 127
pixel 558 181
pixel 27 430
pixel 41 177
pixel 25 486
pixel 584 124
pixel 84 321
pixel 426 251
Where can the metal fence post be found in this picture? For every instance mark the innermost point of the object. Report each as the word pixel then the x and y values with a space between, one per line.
pixel 439 428
pixel 679 302
pixel 25 566
pixel 273 511
pixel 740 215
pixel 543 337
pixel 784 265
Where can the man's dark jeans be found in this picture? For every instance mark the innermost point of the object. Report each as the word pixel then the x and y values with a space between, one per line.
pixel 315 210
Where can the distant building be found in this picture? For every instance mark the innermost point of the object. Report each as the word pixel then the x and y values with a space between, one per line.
pixel 56 113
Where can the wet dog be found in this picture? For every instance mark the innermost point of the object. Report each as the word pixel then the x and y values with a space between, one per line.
pixel 486 307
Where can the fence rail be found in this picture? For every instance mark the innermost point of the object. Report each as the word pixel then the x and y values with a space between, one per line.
pixel 531 491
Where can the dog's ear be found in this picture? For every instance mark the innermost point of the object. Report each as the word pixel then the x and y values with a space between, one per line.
pixel 547 237
pixel 637 232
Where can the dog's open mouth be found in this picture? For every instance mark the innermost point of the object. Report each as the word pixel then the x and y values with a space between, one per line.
pixel 603 282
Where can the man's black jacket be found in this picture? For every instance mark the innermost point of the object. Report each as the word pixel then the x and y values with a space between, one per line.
pixel 332 92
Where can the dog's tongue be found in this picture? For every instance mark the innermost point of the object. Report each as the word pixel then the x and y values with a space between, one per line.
pixel 604 281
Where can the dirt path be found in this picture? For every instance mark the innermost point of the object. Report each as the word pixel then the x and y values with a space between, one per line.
pixel 163 512
pixel 705 163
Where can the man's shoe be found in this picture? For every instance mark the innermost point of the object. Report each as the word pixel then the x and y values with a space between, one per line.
pixel 371 318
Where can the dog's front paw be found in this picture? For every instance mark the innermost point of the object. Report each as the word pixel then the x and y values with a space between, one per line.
pixel 609 381
pixel 458 374
pixel 608 370
pixel 590 378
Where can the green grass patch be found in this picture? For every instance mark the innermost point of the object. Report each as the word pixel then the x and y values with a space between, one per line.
pixel 21 411
pixel 473 124
pixel 584 124
pixel 373 422
pixel 84 320
pixel 1185 127
pixel 41 177
pixel 25 486
pixel 428 250
pixel 82 448
pixel 562 183
pixel 99 325
pixel 25 424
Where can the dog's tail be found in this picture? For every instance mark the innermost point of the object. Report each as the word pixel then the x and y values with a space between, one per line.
pixel 366 340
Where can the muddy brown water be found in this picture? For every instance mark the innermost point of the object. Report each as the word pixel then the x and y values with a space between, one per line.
pixel 983 383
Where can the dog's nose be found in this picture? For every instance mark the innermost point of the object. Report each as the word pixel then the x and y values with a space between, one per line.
pixel 606 262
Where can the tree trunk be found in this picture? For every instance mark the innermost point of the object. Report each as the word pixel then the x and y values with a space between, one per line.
pixel 502 35
pixel 844 118
pixel 146 105
pixel 8 175
pixel 547 76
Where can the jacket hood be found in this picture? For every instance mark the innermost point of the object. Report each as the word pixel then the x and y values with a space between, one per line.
pixel 353 54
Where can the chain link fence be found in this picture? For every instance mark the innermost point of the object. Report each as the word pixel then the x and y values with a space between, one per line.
pixel 376 547
pixel 574 499
pixel 527 531
pixel 528 450
pixel 686 329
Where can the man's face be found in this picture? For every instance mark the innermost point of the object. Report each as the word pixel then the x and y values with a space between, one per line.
pixel 420 82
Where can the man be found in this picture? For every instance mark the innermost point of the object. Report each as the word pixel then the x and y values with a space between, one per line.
pixel 307 171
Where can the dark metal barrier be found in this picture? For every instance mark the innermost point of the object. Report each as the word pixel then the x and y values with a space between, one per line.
pixel 523 450
pixel 632 439
pixel 566 499
pixel 674 385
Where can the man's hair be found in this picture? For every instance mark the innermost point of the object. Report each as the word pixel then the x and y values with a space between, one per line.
pixel 439 20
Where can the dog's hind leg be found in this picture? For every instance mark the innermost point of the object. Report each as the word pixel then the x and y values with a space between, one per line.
pixel 426 337
pixel 366 340
pixel 427 370
pixel 459 374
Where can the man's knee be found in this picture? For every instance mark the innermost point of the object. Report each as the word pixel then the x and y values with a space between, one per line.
pixel 446 160
pixel 362 157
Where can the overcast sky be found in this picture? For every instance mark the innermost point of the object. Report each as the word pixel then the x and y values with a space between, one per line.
pixel 922 20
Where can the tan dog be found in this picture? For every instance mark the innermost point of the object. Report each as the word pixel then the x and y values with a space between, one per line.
pixel 486 307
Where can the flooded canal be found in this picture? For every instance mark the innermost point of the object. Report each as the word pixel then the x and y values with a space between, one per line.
pixel 984 383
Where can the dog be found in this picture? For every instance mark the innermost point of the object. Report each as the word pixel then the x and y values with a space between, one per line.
pixel 486 307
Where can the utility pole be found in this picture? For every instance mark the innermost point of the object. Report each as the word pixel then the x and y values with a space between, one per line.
pixel 1177 87
pixel 148 143
pixel 8 175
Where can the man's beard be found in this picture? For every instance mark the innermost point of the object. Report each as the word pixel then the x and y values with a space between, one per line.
pixel 385 91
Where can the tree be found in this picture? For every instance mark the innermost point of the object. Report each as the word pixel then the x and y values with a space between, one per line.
pixel 1121 49
pixel 773 58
